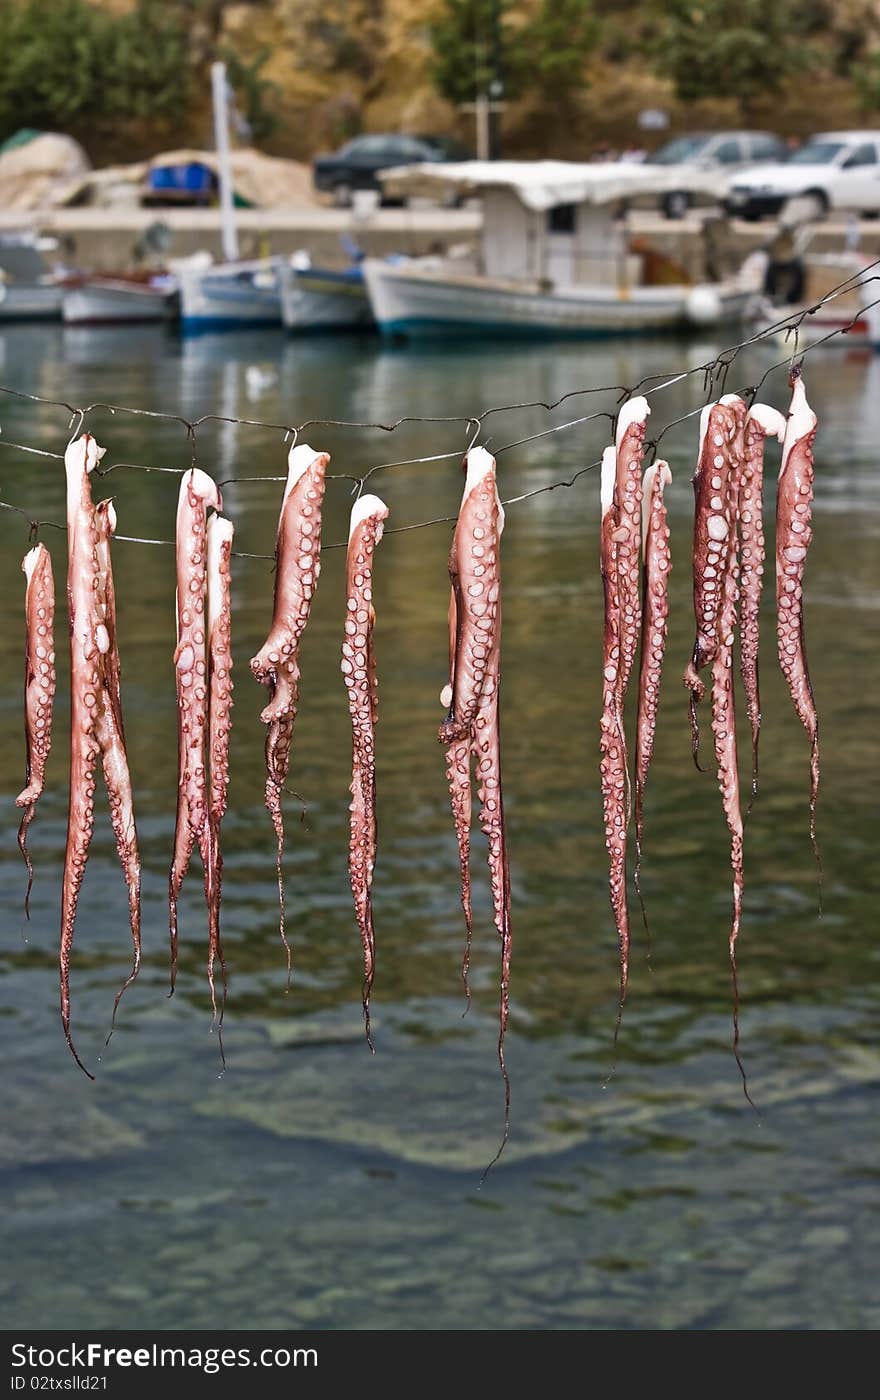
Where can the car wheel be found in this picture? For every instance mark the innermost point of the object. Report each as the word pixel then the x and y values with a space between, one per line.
pixel 342 196
pixel 676 204
pixel 870 214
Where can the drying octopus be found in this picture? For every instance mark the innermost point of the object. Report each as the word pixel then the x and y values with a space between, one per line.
pixel 39 690
pixel 728 571
pixel 621 531
pixel 96 711
pixel 276 664
pixel 358 666
pixel 471 698
pixel 203 672
pixel 793 535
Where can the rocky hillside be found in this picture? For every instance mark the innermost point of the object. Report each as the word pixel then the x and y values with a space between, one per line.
pixel 309 73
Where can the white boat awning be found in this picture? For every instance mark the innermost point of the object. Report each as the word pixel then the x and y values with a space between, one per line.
pixel 539 184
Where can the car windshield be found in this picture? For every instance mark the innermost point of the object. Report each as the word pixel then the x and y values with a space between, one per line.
pixel 816 153
pixel 368 146
pixel 682 148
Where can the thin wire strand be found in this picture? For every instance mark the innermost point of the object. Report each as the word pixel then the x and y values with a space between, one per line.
pixel 715 372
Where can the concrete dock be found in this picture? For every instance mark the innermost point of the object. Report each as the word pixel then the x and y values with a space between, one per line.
pixel 105 238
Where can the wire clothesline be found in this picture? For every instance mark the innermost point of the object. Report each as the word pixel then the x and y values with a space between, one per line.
pixel 715 373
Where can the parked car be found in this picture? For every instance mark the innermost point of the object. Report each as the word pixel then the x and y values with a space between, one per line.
pixel 356 164
pixel 834 170
pixel 696 158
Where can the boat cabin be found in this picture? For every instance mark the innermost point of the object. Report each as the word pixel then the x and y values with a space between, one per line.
pixel 553 223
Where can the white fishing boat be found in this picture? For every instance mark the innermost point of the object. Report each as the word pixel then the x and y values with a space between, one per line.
pixel 554 259
pixel 120 300
pixel 322 298
pixel 228 295
pixel 835 308
pixel 29 290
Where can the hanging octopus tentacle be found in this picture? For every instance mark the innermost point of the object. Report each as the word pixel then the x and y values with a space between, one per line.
pixel 471 698
pixel 96 712
pixel 487 755
pixel 110 732
pixel 726 758
pixel 358 668
pixel 458 776
pixel 276 664
pixel 630 438
pixel 794 502
pixel 655 614
pixel 471 555
pixel 39 691
pixel 762 422
pixel 712 531
pixel 197 492
pixel 220 533
pixel 612 766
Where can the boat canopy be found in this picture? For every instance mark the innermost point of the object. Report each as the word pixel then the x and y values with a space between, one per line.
pixel 538 184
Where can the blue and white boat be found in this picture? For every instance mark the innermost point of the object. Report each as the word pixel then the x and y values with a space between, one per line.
pixel 228 295
pixel 322 298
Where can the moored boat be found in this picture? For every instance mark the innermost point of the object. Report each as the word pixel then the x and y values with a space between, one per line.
pixel 106 300
pixel 553 259
pixel 29 290
pixel 322 298
pixel 228 295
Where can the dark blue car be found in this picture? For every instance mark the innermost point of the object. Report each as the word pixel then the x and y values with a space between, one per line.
pixel 356 164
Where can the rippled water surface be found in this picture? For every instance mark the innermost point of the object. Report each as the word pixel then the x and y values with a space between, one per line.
pixel 313 1185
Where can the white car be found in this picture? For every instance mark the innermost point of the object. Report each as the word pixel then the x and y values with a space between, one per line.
pixel 834 170
pixel 698 164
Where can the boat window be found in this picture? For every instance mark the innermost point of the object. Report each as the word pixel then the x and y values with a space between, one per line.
pixel 862 155
pixel 562 218
pixel 816 153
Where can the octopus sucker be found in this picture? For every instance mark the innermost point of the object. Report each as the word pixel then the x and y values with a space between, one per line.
pixel 612 745
pixel 714 526
pixel 762 422
pixel 358 668
pixel 656 567
pixel 197 493
pixel 276 664
pixel 96 710
pixel 794 501
pixel 220 533
pixel 39 691
pixel 471 730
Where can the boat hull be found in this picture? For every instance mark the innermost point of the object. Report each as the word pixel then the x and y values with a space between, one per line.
pixel 107 303
pixel 317 299
pixel 22 301
pixel 415 303
pixel 229 298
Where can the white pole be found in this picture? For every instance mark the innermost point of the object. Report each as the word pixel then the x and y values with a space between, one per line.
pixel 221 142
pixel 482 113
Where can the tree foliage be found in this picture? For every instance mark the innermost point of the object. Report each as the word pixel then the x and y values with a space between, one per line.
pixel 70 66
pixel 256 97
pixel 744 49
pixel 474 46
pixel 556 46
